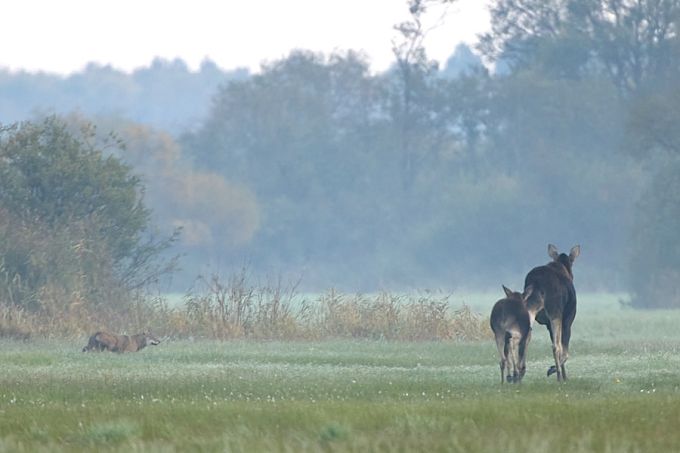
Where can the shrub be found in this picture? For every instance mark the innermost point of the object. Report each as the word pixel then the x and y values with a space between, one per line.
pixel 73 225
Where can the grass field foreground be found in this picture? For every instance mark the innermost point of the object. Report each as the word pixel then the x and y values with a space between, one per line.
pixel 623 394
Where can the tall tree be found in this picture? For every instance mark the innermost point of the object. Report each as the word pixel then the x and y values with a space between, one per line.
pixel 414 71
pixel 629 41
pixel 654 138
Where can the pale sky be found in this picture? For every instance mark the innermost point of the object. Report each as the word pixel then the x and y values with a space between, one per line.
pixel 62 36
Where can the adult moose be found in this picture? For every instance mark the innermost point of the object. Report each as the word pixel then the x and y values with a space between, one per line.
pixel 511 321
pixel 553 286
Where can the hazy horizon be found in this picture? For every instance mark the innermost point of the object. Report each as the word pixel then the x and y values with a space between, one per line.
pixel 127 35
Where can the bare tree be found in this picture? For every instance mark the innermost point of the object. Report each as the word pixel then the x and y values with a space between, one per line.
pixel 412 69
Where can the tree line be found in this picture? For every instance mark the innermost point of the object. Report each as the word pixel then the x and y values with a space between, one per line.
pixel 317 168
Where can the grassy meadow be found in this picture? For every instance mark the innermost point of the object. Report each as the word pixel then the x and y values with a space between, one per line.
pixel 347 395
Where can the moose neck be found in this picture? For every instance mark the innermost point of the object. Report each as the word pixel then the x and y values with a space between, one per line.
pixel 563 265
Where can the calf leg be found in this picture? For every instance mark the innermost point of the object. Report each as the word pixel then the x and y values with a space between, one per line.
pixel 513 358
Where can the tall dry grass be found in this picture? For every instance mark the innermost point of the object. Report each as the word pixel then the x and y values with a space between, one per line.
pixel 235 308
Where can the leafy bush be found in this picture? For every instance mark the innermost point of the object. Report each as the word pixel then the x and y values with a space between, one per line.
pixel 73 226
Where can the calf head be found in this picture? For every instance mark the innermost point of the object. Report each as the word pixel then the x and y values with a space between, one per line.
pixel 510 294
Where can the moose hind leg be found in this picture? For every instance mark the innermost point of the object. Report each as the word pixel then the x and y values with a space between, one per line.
pixel 552 369
pixel 542 318
pixel 566 335
pixel 502 352
pixel 557 347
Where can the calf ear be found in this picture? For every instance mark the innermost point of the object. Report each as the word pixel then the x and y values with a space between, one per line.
pixel 574 253
pixel 552 252
pixel 527 292
pixel 508 291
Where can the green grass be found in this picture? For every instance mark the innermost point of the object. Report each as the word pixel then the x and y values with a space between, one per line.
pixel 623 394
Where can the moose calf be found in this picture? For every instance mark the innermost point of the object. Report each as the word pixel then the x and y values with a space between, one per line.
pixel 511 320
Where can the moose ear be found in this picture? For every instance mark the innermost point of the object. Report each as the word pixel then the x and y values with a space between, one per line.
pixel 508 291
pixel 527 292
pixel 575 252
pixel 552 252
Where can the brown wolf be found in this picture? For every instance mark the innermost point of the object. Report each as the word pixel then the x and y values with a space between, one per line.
pixel 511 321
pixel 105 341
pixel 553 286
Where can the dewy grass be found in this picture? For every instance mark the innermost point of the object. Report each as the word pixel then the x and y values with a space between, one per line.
pixel 110 432
pixel 341 395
